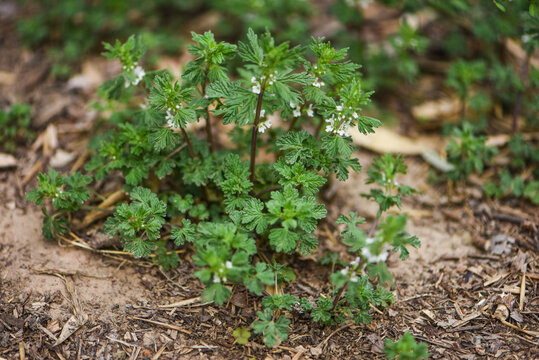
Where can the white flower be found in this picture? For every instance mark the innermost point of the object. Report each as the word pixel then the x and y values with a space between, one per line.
pixel 253 80
pixel 216 278
pixel 139 73
pixel 292 104
pixel 297 112
pixel 170 120
pixel 317 83
pixel 256 88
pixel 355 115
pixel 262 127
pixel 310 112
pixel 228 264
pixel 356 261
pixel 372 258
pixel 344 271
pixel 354 278
pixel 369 241
pixel 339 107
pixel 341 130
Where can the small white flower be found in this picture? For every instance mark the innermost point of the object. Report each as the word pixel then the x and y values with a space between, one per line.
pixel 262 127
pixel 317 83
pixel 228 264
pixel 224 279
pixel 216 279
pixel 369 241
pixel 292 104
pixel 356 261
pixel 253 80
pixel 339 107
pixel 297 112
pixel 344 271
pixel 355 115
pixel 354 278
pixel 256 88
pixel 310 112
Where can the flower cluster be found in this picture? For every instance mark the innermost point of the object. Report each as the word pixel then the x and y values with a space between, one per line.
pixel 265 125
pixel 373 258
pixel 220 277
pixel 170 117
pixel 136 70
pixel 339 125
pixel 317 73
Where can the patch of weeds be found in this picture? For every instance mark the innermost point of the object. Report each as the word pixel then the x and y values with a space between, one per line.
pixel 245 218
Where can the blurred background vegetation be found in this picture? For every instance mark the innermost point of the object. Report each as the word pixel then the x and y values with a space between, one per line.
pixel 464 68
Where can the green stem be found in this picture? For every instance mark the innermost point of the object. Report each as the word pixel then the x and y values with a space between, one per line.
pixel 209 132
pixel 254 134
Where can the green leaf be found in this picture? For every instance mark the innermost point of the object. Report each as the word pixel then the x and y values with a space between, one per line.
pixel 273 332
pixel 241 335
pixel 217 293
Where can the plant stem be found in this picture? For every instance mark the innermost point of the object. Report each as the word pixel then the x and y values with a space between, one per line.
pixel 319 129
pixel 338 296
pixel 188 142
pixel 254 135
pixel 209 133
pixel 374 225
pixel 267 190
pixel 293 123
pixel 193 155
pixel 518 101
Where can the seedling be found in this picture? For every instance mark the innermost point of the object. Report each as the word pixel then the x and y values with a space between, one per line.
pixel 406 348
pixel 15 125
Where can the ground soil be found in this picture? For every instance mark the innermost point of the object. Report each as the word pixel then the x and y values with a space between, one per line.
pixel 449 293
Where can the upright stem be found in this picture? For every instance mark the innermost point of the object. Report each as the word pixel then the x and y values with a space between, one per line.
pixel 338 296
pixel 209 133
pixel 193 155
pixel 188 142
pixel 518 101
pixel 254 134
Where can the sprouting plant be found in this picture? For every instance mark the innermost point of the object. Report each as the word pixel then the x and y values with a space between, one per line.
pixel 468 153
pixel 66 194
pixel 15 125
pixel 241 335
pixel 406 348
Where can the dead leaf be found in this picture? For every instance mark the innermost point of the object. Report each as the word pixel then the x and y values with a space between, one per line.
pixel 387 140
pixel 520 261
pixel 89 78
pixel 429 314
pixel 61 158
pixel 95 215
pixel 7 161
pixel 501 312
pixel 436 109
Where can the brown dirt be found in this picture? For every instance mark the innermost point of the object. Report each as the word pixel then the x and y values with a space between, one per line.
pixel 446 292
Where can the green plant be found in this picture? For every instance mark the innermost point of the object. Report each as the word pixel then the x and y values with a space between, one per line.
pixel 246 219
pixel 406 348
pixel 519 177
pixel 15 125
pixel 66 194
pixel 467 153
